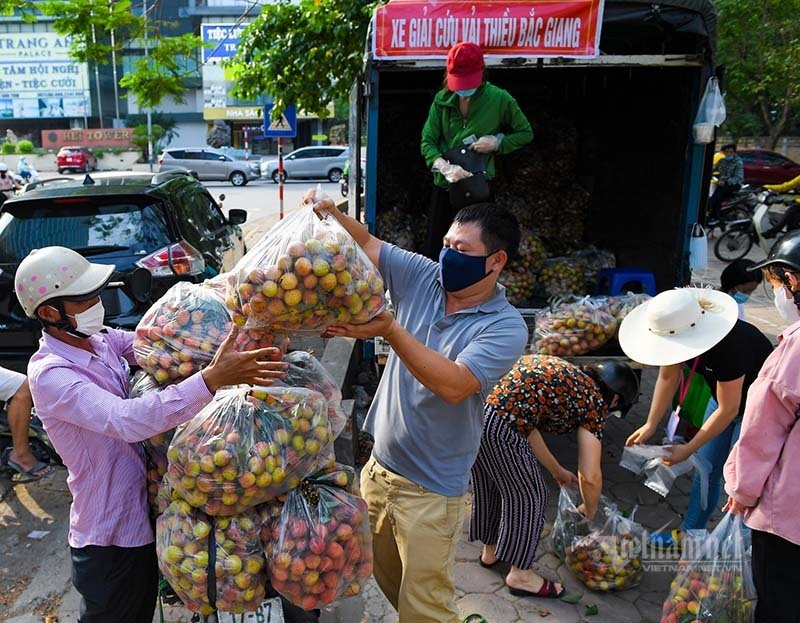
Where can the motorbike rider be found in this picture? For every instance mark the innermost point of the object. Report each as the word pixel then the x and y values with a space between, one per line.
pixel 16 394
pixel 731 176
pixel 24 169
pixel 79 382
pixel 791 218
pixel 8 185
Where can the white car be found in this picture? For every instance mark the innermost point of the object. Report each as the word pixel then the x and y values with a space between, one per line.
pixel 318 162
pixel 209 164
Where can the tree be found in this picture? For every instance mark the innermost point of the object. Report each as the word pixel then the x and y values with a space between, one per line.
pixel 165 121
pixel 89 24
pixel 759 44
pixel 306 53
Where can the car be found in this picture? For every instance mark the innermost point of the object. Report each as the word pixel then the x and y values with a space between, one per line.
pixel 71 158
pixel 209 164
pixel 167 223
pixel 309 163
pixel 767 167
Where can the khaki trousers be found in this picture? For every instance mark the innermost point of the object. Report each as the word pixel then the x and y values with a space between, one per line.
pixel 414 537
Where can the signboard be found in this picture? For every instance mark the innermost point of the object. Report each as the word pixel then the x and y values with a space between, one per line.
pixel 235 113
pixel 420 29
pixel 38 79
pixel 285 127
pixel 220 40
pixel 112 137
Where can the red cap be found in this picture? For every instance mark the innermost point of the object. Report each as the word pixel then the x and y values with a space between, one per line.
pixel 464 67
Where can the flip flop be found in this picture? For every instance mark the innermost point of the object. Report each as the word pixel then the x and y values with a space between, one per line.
pixel 665 540
pixel 29 475
pixel 474 618
pixel 548 589
pixel 487 565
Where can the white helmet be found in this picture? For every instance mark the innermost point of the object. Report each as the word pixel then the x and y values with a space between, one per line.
pixel 58 272
pixel 3 166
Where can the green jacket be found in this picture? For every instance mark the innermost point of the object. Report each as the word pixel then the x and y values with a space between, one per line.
pixel 492 110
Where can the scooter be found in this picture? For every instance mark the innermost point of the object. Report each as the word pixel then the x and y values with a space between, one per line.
pixel 741 234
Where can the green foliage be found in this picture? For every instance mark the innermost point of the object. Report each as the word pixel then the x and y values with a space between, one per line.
pixel 160 74
pixel 759 44
pixel 168 123
pixel 25 147
pixel 24 8
pixel 89 24
pixel 140 138
pixel 306 53
pixel 8 148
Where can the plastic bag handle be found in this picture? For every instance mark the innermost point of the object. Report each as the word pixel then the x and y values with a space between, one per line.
pixel 684 390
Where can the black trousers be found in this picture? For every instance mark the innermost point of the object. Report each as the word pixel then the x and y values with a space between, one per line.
pixel 721 193
pixel 117 584
pixel 440 217
pixel 776 574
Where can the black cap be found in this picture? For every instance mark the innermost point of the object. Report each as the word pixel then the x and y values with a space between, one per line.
pixel 786 250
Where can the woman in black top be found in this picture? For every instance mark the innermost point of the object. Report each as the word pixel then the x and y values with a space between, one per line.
pixel 697 328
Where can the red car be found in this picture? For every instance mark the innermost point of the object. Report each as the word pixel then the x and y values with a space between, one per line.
pixel 75 159
pixel 767 167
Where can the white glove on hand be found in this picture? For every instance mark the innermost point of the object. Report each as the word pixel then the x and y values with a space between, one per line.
pixel 485 144
pixel 452 172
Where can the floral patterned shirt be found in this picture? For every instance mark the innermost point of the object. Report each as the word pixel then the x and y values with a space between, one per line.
pixel 548 394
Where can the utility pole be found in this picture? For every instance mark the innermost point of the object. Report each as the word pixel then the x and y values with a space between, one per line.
pixel 97 77
pixel 149 111
pixel 114 69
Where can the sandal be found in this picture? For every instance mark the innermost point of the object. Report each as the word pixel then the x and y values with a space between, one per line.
pixel 487 565
pixel 666 540
pixel 27 475
pixel 474 618
pixel 548 589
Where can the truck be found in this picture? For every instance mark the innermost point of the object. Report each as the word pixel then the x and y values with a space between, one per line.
pixel 613 162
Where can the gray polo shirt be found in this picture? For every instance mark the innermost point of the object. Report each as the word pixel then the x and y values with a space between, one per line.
pixel 417 434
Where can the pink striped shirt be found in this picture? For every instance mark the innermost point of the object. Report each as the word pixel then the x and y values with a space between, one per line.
pixel 82 400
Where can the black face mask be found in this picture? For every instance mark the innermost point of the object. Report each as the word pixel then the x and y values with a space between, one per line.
pixel 2 173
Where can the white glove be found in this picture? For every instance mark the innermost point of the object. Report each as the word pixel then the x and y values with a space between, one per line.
pixel 452 172
pixel 485 144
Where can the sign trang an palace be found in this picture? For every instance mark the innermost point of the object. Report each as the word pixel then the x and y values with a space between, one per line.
pixel 38 79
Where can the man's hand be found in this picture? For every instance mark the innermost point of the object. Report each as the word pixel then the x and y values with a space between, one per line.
pixel 734 507
pixel 676 454
pixel 322 207
pixel 485 144
pixel 255 367
pixel 640 435
pixel 382 325
pixel 564 477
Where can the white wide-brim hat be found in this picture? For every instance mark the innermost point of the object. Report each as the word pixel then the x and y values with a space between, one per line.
pixel 677 325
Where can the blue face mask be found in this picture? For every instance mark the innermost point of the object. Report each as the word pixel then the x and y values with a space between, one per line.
pixel 467 92
pixel 741 297
pixel 459 271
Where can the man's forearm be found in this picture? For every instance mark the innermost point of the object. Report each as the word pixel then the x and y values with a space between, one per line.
pixel 450 381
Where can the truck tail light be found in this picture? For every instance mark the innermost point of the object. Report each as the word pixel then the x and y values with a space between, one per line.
pixel 180 259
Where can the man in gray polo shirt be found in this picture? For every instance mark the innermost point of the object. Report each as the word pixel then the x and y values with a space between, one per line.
pixel 454 336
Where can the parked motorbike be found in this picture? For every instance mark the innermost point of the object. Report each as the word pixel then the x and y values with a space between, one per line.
pixel 741 206
pixel 740 235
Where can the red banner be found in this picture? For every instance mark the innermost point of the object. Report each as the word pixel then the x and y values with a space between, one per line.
pixel 421 29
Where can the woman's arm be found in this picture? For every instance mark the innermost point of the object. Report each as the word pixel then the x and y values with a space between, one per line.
pixel 590 474
pixel 520 129
pixel 431 136
pixel 561 475
pixel 669 378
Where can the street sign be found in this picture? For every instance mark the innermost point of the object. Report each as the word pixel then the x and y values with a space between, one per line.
pixel 285 127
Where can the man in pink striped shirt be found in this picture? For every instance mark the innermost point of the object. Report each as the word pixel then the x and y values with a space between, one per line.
pixel 79 382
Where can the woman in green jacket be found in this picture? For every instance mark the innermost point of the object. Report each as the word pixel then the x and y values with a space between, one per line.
pixel 468 111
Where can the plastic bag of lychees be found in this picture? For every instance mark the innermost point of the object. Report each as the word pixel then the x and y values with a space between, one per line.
pixel 181 332
pixel 155 448
pixel 574 328
pixel 188 542
pixel 304 275
pixel 248 446
pixel 307 371
pixel 322 545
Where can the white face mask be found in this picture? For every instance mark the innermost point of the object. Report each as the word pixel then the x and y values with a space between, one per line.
pixel 786 306
pixel 90 321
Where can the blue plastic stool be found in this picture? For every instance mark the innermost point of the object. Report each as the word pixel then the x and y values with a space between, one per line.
pixel 614 281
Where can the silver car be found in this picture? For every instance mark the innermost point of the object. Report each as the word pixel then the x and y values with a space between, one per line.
pixel 210 164
pixel 309 162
